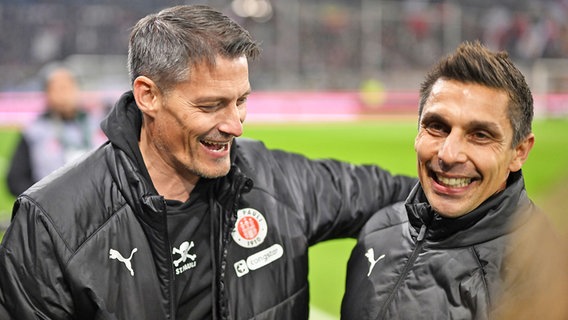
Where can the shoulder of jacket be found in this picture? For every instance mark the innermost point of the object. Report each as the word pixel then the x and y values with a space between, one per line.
pixel 255 151
pixel 248 144
pixel 75 194
pixel 394 214
pixel 250 153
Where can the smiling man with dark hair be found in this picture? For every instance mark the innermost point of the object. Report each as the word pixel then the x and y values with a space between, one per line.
pixel 441 254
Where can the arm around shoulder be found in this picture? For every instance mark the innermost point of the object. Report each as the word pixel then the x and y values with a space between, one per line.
pixel 335 197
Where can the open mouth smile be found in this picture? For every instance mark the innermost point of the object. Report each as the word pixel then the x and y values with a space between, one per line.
pixel 215 146
pixel 451 182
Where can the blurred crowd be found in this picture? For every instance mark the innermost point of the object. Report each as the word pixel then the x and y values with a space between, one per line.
pixel 308 44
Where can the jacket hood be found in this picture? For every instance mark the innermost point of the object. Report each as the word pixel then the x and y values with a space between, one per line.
pixel 122 124
pixel 488 221
pixel 122 127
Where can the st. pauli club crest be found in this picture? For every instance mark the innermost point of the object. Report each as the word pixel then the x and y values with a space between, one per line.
pixel 250 228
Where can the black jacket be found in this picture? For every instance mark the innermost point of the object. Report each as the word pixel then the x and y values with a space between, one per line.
pixel 57 259
pixel 428 267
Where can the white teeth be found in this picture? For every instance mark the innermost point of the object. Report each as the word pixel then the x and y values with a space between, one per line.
pixel 216 146
pixel 454 182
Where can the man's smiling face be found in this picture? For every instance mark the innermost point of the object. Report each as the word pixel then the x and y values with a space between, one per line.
pixel 197 121
pixel 464 146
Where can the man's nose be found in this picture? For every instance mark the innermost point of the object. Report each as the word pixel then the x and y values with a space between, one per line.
pixel 232 123
pixel 453 149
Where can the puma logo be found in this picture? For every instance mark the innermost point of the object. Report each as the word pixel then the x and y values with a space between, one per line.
pixel 371 256
pixel 113 254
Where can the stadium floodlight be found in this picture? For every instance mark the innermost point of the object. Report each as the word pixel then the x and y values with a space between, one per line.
pixel 258 10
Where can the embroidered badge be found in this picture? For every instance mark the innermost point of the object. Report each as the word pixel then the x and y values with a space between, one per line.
pixel 250 228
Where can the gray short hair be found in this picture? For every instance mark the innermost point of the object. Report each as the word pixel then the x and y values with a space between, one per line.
pixel 165 45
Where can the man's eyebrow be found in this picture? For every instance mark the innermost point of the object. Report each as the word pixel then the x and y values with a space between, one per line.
pixel 486 125
pixel 246 94
pixel 212 98
pixel 429 117
pixel 475 124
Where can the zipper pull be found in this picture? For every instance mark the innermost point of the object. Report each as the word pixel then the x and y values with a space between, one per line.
pixel 422 233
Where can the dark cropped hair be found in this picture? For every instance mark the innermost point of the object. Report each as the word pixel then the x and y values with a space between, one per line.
pixel 166 45
pixel 474 63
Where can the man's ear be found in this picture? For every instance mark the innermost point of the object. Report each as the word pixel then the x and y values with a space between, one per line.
pixel 147 95
pixel 522 153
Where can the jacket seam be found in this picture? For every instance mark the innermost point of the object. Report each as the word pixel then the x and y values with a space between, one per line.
pixel 56 230
pixel 290 208
pixel 283 302
pixel 476 255
pixel 48 219
pixel 113 216
pixel 275 197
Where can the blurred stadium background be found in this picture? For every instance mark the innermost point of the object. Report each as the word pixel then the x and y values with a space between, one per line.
pixel 331 60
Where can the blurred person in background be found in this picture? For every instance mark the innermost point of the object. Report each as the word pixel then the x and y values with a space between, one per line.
pixel 175 218
pixel 442 254
pixel 63 132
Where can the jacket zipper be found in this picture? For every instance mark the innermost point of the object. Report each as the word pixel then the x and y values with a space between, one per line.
pixel 419 245
pixel 173 307
pixel 225 238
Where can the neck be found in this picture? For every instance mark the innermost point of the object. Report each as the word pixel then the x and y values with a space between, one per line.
pixel 166 179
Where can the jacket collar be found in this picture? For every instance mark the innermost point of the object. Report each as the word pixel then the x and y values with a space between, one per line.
pixel 122 127
pixel 490 220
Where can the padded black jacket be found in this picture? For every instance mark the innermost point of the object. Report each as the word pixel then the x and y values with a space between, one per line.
pixel 58 257
pixel 411 263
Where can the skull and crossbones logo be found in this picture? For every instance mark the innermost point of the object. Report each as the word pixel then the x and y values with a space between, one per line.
pixel 183 251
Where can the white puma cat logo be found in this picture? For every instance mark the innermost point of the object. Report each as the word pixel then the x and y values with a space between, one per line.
pixel 113 254
pixel 371 256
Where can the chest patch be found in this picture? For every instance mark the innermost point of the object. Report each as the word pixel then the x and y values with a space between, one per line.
pixel 250 228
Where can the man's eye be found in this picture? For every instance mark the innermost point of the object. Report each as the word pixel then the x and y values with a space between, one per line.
pixel 208 108
pixel 481 135
pixel 242 101
pixel 435 128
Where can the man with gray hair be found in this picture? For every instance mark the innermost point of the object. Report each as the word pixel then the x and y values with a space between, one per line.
pixel 175 218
